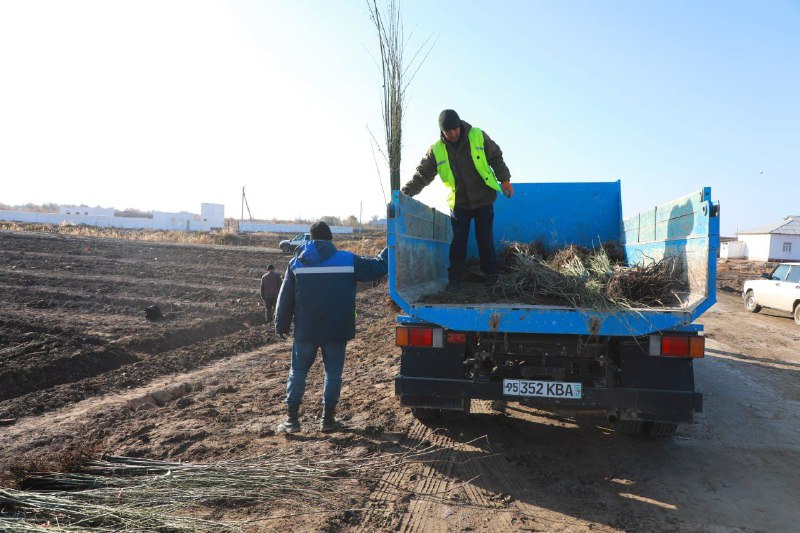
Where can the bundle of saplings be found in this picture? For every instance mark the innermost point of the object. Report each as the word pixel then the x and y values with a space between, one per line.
pixel 576 277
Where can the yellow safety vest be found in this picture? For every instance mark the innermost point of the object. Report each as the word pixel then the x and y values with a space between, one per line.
pixel 475 137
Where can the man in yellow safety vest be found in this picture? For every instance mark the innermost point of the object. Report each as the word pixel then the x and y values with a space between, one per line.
pixel 471 166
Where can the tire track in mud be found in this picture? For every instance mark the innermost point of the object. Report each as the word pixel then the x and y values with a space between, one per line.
pixel 416 497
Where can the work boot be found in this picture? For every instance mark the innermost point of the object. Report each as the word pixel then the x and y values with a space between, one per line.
pixel 329 421
pixel 292 422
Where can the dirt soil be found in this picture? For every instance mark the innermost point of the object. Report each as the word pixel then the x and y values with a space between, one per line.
pixel 83 371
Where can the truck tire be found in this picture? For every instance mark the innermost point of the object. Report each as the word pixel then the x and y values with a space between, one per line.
pixel 629 427
pixel 797 313
pixel 660 429
pixel 453 415
pixel 425 414
pixel 650 429
pixel 750 304
pixel 285 248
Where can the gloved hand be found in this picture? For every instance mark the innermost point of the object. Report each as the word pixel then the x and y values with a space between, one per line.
pixel 508 189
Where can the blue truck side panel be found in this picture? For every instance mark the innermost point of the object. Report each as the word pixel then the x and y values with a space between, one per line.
pixel 558 214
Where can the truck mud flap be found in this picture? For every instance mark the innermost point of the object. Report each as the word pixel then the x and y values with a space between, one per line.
pixel 433 402
pixel 633 404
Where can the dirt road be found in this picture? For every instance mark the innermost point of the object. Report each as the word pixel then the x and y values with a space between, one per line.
pixel 206 384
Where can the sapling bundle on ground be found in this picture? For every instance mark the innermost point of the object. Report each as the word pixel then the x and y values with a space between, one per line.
pixel 126 493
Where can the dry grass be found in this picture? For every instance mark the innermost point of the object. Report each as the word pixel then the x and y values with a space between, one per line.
pixel 575 277
pixel 368 243
pixel 368 246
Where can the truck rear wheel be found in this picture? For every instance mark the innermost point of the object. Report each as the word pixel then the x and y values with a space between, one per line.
pixel 428 414
pixel 660 429
pixel 651 429
pixel 425 414
pixel 797 313
pixel 629 427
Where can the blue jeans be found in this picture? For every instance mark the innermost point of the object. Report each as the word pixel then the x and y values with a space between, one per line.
pixel 460 220
pixel 303 355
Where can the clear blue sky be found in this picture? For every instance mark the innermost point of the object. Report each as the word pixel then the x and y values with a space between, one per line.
pixel 162 105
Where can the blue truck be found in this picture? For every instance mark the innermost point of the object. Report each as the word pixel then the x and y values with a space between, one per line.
pixel 635 366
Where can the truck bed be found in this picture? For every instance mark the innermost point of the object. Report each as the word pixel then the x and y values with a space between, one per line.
pixel 557 214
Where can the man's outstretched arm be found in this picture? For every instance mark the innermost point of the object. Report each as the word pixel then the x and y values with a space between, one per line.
pixel 426 171
pixel 372 268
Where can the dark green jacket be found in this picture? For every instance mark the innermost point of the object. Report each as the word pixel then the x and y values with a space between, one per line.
pixel 471 191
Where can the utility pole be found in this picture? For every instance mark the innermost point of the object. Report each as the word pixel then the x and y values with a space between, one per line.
pixel 244 203
pixel 360 211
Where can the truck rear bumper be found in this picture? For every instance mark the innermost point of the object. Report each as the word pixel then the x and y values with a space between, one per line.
pixel 632 404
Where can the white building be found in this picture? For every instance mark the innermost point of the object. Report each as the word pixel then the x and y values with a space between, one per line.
pixel 212 216
pixel 779 241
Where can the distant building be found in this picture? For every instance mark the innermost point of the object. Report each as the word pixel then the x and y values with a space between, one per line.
pixel 779 241
pixel 212 216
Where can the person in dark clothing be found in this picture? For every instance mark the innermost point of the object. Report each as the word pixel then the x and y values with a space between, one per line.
pixel 471 166
pixel 270 286
pixel 319 294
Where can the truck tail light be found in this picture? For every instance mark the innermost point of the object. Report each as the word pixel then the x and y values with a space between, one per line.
pixel 693 346
pixel 417 336
pixel 697 347
pixel 454 337
pixel 675 346
pixel 414 336
pixel 420 336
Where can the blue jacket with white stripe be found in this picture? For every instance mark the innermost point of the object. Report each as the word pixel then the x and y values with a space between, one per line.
pixel 319 292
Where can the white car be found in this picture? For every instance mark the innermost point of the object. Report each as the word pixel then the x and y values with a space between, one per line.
pixel 778 290
pixel 290 245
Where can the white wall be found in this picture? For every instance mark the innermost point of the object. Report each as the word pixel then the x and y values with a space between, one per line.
pixel 757 246
pixel 776 248
pixel 733 250
pixel 161 221
pixel 250 227
pixel 214 214
pixel 85 211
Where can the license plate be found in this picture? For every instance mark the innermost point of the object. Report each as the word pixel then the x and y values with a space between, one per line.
pixel 542 389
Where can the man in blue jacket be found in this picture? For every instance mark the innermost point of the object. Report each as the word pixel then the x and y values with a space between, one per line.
pixel 319 292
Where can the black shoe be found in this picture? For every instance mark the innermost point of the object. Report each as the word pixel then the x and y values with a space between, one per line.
pixel 292 422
